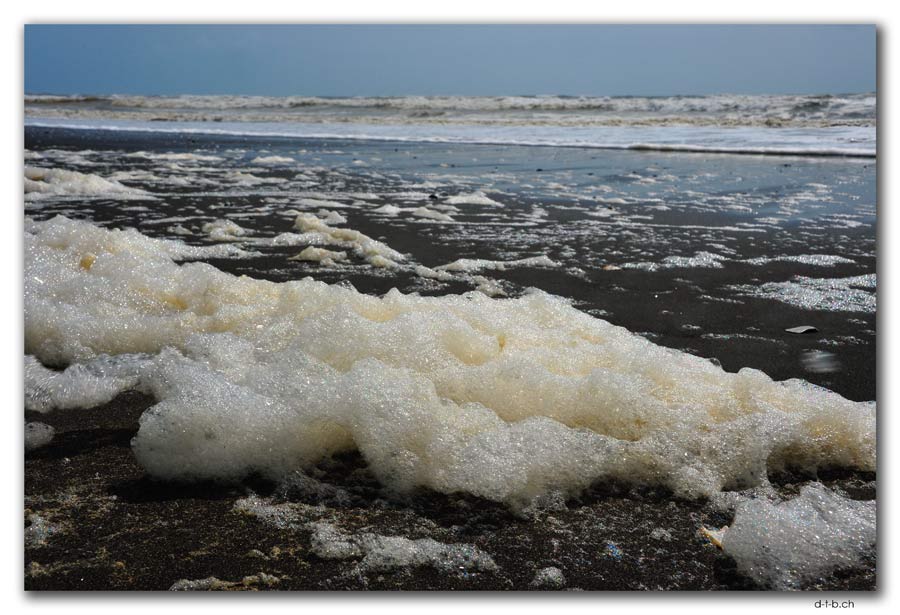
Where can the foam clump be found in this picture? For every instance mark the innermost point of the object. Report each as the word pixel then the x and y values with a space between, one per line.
pixel 40 182
pixel 373 251
pixel 506 399
pixel 390 210
pixel 380 553
pixel 38 435
pixel 320 255
pixel 273 160
pixel 249 179
pixel 853 294
pixel 79 385
pixel 549 578
pixel 329 216
pixel 433 274
pixel 284 515
pixel 321 203
pixel 475 198
pixel 470 265
pixel 424 212
pixel 251 582
pixel 61 232
pixel 783 545
pixel 817 260
pixel 224 230
pixel 707 260
pixel 175 157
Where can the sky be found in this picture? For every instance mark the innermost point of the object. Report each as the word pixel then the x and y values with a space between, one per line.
pixel 446 59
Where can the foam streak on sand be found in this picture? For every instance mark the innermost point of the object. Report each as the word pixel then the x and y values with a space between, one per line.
pixel 381 553
pixel 505 399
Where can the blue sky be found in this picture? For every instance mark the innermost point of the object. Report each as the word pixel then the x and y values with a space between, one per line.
pixel 385 60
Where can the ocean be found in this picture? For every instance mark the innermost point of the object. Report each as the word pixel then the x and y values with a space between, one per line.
pixel 350 320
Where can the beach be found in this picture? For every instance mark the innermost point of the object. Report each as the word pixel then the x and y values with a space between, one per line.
pixel 481 361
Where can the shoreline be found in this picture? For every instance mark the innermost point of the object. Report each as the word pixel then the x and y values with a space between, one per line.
pixel 675 148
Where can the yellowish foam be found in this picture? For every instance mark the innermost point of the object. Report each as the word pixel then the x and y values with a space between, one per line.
pixel 509 399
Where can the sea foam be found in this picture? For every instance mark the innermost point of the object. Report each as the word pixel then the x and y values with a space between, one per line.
pixel 508 399
pixel 40 183
pixel 783 545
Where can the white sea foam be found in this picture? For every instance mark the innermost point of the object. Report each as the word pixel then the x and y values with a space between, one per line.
pixel 505 399
pixel 79 386
pixel 470 265
pixel 224 230
pixel 375 252
pixel 321 203
pixel 388 210
pixel 549 578
pixel 320 255
pixel 331 217
pixel 853 294
pixel 172 156
pixel 424 212
pixel 40 183
pixel 818 260
pixel 711 260
pixel 707 260
pixel 273 160
pixel 782 545
pixel 434 274
pixel 476 198
pixel 386 552
pixel 178 229
pixel 249 179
